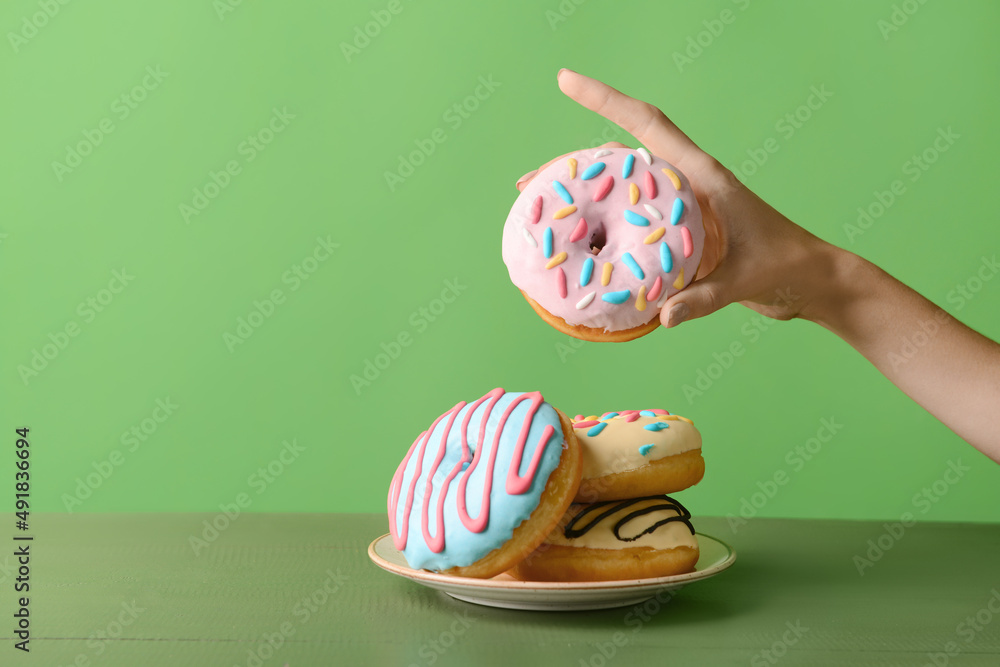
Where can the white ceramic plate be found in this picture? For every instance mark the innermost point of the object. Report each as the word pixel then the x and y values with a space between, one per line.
pixel 505 591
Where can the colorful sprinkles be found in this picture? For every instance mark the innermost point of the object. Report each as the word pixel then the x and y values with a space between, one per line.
pixel 566 210
pixel 640 299
pixel 627 166
pixel 557 260
pixel 616 297
pixel 593 170
pixel 562 192
pixel 586 271
pixel 536 210
pixel 666 259
pixel 649 185
pixel 656 426
pixel 633 266
pixel 654 236
pixel 634 218
pixel 579 231
pixel 645 449
pixel 673 178
pixel 597 429
pixel 604 188
pixel 654 291
pixel 646 186
pixel 677 211
pixel 529 238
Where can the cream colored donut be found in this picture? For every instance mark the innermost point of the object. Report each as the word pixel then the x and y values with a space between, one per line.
pixel 614 540
pixel 637 453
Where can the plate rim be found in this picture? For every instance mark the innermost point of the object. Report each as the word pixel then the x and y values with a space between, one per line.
pixel 425 576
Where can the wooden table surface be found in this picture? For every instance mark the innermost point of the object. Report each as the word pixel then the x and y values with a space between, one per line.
pixel 298 589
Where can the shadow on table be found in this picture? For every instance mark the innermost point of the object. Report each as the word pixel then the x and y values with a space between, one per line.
pixel 755 580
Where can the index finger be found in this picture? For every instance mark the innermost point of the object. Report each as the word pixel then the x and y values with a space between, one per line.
pixel 642 120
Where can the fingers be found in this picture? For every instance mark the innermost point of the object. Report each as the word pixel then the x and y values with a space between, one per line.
pixel 700 298
pixel 524 180
pixel 643 121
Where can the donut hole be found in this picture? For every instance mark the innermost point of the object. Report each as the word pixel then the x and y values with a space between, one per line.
pixel 598 240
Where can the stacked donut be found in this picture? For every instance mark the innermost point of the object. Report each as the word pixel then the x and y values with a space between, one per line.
pixel 510 483
pixel 622 525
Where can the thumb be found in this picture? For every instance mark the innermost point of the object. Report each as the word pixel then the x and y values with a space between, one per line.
pixel 700 298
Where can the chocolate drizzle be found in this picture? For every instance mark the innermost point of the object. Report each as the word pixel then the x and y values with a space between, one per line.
pixel 612 507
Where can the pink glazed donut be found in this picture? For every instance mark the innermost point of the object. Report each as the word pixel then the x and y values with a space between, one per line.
pixel 600 239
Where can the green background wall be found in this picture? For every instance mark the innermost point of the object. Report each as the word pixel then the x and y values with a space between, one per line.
pixel 222 74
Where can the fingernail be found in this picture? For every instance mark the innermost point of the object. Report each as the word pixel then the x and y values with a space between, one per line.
pixel 677 314
pixel 563 70
pixel 524 178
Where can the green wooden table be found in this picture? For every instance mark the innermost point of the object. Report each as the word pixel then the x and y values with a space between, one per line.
pixel 298 589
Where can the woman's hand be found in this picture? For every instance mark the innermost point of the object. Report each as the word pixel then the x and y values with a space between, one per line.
pixel 756 256
pixel 753 254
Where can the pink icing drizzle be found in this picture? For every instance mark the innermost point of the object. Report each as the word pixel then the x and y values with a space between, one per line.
pixel 436 542
pixel 516 483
